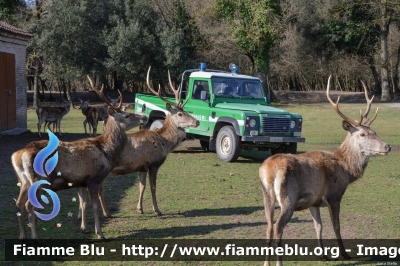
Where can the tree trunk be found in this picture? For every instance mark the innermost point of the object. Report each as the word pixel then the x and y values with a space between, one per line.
pixel 35 88
pixel 396 76
pixel 384 32
pixel 377 87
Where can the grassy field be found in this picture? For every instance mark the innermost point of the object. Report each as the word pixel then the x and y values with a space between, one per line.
pixel 204 198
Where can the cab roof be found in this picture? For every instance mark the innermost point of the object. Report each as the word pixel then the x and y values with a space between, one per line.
pixel 209 74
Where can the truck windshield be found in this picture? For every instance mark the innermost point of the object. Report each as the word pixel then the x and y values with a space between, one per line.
pixel 237 87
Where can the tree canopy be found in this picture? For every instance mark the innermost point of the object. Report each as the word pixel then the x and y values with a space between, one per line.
pixel 298 44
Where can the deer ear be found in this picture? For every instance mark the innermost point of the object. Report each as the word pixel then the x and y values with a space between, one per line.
pixel 348 127
pixel 169 106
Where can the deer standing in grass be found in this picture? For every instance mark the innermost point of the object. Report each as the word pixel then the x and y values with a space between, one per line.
pixel 51 114
pixel 318 178
pixel 95 114
pixel 47 124
pixel 146 150
pixel 92 117
pixel 82 163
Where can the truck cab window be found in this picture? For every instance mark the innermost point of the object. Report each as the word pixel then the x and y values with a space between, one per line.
pixel 199 86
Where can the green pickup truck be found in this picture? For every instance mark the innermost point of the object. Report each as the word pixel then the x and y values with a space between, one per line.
pixel 233 111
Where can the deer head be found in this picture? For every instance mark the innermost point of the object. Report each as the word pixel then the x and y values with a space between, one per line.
pixel 360 135
pixel 179 117
pixel 126 120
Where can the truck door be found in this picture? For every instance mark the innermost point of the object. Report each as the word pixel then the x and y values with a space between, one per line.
pixel 198 105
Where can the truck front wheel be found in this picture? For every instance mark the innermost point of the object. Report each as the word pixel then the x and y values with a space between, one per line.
pixel 228 144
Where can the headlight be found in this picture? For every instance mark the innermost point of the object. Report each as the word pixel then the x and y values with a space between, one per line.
pixel 252 123
pixel 292 124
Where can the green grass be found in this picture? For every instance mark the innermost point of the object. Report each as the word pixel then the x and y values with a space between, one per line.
pixel 205 201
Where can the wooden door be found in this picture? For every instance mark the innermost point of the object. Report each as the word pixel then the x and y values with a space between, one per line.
pixel 7 91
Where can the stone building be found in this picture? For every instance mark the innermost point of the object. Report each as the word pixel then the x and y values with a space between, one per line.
pixel 13 103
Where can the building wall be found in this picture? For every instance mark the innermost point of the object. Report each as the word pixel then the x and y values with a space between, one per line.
pixel 15 44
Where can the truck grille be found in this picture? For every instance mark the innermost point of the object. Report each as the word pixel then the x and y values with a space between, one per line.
pixel 275 124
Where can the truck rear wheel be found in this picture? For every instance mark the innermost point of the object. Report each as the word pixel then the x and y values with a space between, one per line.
pixel 157 124
pixel 228 144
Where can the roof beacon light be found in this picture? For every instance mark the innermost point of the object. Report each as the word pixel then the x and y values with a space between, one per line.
pixel 202 66
pixel 234 68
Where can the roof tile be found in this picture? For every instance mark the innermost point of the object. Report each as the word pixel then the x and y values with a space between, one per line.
pixel 8 28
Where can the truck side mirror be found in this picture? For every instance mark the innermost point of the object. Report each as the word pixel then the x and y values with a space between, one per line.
pixel 203 95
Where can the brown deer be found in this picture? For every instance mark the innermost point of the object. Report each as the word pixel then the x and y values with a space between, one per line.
pixel 102 112
pixel 50 114
pixel 146 150
pixel 318 178
pixel 92 116
pixel 54 123
pixel 82 163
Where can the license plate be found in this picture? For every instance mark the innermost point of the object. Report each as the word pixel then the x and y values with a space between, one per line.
pixel 276 139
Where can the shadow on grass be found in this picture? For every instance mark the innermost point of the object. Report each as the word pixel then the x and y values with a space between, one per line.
pixel 182 231
pixel 223 211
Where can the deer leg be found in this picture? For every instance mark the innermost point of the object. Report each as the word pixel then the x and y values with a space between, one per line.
pixel 318 227
pixel 32 221
pixel 90 129
pixel 269 205
pixel 142 179
pixel 82 193
pixel 48 126
pixel 21 201
pixel 94 129
pixel 334 210
pixel 39 126
pixel 283 219
pixel 153 187
pixel 58 122
pixel 94 197
pixel 106 212
pixel 84 125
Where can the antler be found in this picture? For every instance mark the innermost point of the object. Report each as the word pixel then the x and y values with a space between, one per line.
pixel 159 91
pixel 104 98
pixel 336 107
pixel 369 102
pixel 176 92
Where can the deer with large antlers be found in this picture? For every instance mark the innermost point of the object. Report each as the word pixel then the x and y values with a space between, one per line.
pixel 83 163
pixel 146 150
pixel 318 178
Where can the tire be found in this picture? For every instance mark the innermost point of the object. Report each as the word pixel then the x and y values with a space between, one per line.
pixel 205 145
pixel 228 144
pixel 157 124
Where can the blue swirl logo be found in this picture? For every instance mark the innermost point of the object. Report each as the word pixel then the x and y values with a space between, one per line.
pixel 44 167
